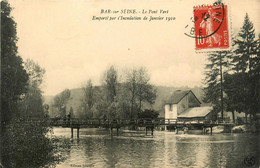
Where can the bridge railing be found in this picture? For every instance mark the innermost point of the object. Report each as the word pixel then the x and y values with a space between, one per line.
pixel 138 122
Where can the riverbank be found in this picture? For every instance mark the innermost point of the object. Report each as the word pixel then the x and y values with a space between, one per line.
pixel 245 128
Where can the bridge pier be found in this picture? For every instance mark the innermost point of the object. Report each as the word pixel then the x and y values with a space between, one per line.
pixel 72 132
pixel 204 130
pixel 111 132
pixel 78 133
pixel 151 129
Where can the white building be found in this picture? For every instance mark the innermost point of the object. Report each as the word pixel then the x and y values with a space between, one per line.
pixel 185 105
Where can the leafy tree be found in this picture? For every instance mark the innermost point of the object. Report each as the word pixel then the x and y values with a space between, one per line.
pixel 32 102
pixel 46 108
pixel 102 104
pixel 131 90
pixel 139 90
pixel 71 112
pixel 88 100
pixel 13 75
pixel 148 114
pixel 24 143
pixel 111 83
pixel 61 100
pixel 125 108
pixel 145 91
pixel 110 91
pixel 125 99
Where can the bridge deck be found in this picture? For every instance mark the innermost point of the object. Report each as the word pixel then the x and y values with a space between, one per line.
pixel 80 123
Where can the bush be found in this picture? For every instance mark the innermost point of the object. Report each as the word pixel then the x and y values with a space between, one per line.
pixel 26 145
pixel 152 114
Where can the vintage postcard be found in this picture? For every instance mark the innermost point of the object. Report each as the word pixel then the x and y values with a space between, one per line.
pixel 127 83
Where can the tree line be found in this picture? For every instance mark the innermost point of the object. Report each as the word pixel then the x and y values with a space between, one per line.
pixel 233 77
pixel 23 144
pixel 128 96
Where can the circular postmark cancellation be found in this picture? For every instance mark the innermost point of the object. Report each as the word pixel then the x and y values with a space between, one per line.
pixel 210 28
pixel 249 161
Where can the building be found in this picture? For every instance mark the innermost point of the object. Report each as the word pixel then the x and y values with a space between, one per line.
pixel 184 105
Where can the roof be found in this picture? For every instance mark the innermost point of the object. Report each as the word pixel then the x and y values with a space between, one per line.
pixel 178 96
pixel 195 112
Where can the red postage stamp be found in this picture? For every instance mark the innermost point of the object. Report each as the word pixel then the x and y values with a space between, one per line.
pixel 211 27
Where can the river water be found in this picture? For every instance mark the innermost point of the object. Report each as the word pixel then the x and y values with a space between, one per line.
pixel 96 148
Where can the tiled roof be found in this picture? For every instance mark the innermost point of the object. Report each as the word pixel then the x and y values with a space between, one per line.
pixel 195 112
pixel 177 96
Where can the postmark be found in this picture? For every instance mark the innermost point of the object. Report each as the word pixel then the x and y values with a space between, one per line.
pixel 211 28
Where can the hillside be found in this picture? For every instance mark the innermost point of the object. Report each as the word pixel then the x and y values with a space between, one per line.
pixel 163 93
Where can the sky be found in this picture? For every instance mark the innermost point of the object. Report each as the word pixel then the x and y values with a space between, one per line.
pixel 61 37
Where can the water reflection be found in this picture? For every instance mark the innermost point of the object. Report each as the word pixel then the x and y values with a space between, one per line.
pixel 95 148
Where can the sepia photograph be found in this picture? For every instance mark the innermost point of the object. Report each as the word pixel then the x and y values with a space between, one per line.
pixel 130 84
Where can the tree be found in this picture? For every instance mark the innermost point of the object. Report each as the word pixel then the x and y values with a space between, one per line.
pixel 148 114
pixel 219 64
pixel 23 144
pixel 256 75
pixel 111 83
pixel 131 87
pixel 139 90
pixel 145 91
pixel 61 100
pixel 246 45
pixel 102 104
pixel 110 91
pixel 32 102
pixel 246 61
pixel 71 113
pixel 237 96
pixel 88 99
pixel 13 75
pixel 46 108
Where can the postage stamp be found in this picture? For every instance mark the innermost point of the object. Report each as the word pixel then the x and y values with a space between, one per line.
pixel 211 27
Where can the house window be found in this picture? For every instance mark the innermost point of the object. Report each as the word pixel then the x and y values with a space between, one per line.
pixel 170 107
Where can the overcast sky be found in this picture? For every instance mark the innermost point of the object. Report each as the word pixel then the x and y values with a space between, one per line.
pixel 62 37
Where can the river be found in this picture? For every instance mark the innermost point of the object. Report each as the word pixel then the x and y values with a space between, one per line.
pixel 96 148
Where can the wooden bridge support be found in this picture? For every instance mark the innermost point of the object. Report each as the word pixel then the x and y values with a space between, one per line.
pixel 204 129
pixel 117 131
pixel 111 132
pixel 72 133
pixel 78 133
pixel 151 128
